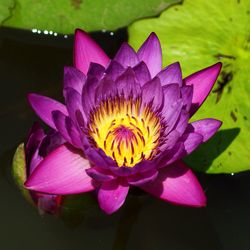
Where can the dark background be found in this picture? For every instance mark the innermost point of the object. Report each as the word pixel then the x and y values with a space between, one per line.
pixel 34 63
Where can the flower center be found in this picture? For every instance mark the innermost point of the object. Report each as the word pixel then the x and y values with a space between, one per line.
pixel 125 131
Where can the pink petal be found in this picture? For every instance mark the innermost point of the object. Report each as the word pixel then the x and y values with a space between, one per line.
pixel 150 52
pixel 62 172
pixel 86 50
pixel 112 195
pixel 177 184
pixel 202 81
pixel 43 107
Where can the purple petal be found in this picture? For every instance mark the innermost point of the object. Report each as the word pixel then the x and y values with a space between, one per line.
pixel 128 85
pixel 172 155
pixel 74 79
pixel 35 136
pixel 74 104
pixel 171 74
pixel 182 122
pixel 114 70
pixel 43 107
pixel 207 127
pixel 96 70
pixel 48 203
pixel 150 52
pixel 170 140
pixel 191 141
pixel 126 56
pixel 202 81
pixel 106 89
pixel 177 184
pixel 142 178
pixel 100 174
pixel 86 51
pixel 62 172
pixel 142 73
pixel 67 129
pixel 88 93
pixel 172 105
pixel 187 96
pixel 152 93
pixel 112 195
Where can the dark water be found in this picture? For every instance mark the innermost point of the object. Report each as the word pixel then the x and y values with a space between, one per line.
pixel 31 62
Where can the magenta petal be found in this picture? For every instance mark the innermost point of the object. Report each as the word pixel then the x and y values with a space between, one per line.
pixel 177 184
pixel 202 81
pixel 171 74
pixel 150 53
pixel 112 195
pixel 86 50
pixel 62 172
pixel 207 127
pixel 43 106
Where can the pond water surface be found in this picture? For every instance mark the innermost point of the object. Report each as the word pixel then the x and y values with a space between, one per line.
pixel 30 62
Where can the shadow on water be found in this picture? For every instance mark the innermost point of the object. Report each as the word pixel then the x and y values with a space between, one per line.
pixel 202 158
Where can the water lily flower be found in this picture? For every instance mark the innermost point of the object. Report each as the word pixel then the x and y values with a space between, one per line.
pixel 38 146
pixel 126 123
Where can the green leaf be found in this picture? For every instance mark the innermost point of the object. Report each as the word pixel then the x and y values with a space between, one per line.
pixel 66 15
pixel 198 34
pixel 19 171
pixel 5 9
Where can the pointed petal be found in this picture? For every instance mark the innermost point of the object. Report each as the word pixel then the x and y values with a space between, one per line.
pixel 96 70
pixel 88 93
pixel 171 74
pixel 191 142
pixel 114 70
pixel 43 107
pixel 142 177
pixel 150 52
pixel 73 102
pixel 106 89
pixel 207 127
pixel 142 73
pixel 74 79
pixel 112 195
pixel 187 96
pixel 67 129
pixel 177 184
pixel 126 56
pixel 86 50
pixel 127 84
pixel 100 174
pixel 202 81
pixel 152 92
pixel 62 172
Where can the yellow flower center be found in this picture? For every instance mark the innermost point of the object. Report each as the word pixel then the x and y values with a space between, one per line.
pixel 125 131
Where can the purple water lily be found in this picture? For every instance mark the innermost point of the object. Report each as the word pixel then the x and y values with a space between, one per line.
pixel 38 146
pixel 125 123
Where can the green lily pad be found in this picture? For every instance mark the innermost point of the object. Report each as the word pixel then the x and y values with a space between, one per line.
pixel 198 34
pixel 19 171
pixel 66 15
pixel 5 9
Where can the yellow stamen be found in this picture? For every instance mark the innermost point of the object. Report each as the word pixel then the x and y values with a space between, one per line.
pixel 125 131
